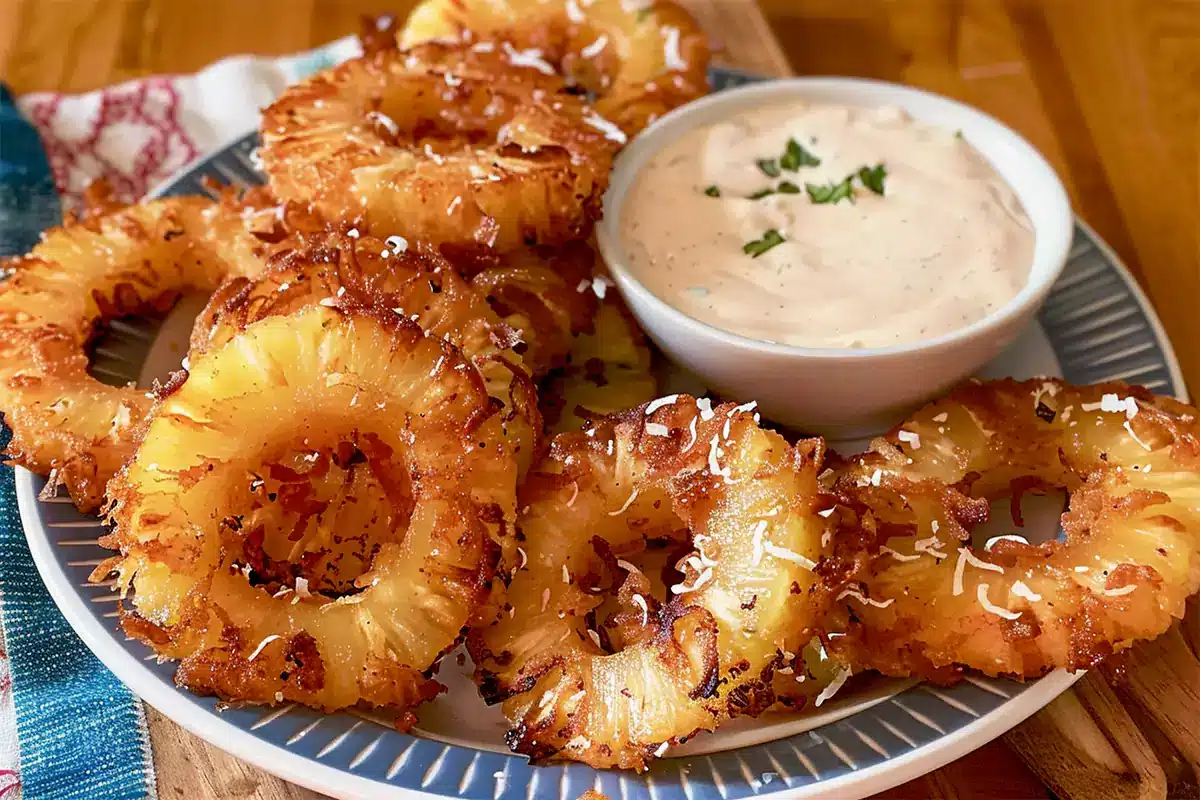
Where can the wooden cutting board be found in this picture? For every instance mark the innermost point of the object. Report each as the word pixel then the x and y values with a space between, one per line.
pixel 1105 88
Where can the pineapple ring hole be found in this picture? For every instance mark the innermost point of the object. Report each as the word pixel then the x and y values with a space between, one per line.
pixel 317 516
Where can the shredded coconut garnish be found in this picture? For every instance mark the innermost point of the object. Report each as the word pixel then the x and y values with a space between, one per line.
pixel 640 602
pixel 897 555
pixel 583 286
pixel 1119 592
pixel 662 748
pixel 827 512
pixel 574 13
pixel 1114 404
pixel 965 557
pixel 753 404
pixel 524 558
pixel 862 598
pixel 834 686
pixel 662 402
pixel 990 607
pixel 609 129
pixel 302 587
pixel 672 59
pixel 788 555
pixel 692 435
pixel 1083 569
pixel 575 698
pixel 657 429
pixel 1012 537
pixel 698 542
pixel 908 437
pixel 528 58
pixel 385 121
pixel 703 578
pixel 595 638
pixel 545 598
pixel 705 406
pixel 398 244
pixel 759 529
pixel 942 417
pixel 566 574
pixel 594 49
pixel 263 644
pixel 600 286
pixel 632 496
pixel 930 546
pixel 933 526
pixel 1129 429
pixel 455 203
pixel 1021 590
pixel 714 452
pixel 876 476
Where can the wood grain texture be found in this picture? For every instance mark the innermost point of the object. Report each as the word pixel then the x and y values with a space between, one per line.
pixel 1106 89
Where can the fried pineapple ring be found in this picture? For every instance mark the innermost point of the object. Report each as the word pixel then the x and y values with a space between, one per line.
pixel 363 381
pixel 930 604
pixel 608 370
pixel 118 262
pixel 639 60
pixel 590 665
pixel 416 283
pixel 440 144
pixel 542 293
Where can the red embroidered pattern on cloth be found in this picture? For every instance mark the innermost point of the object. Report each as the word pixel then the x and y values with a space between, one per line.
pixel 134 138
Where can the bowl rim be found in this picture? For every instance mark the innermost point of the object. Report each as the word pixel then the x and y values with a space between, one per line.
pixel 1056 226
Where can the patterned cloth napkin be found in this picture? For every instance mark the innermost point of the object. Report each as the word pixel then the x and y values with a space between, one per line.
pixel 68 727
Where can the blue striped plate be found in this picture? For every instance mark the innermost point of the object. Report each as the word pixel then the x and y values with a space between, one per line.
pixel 1096 326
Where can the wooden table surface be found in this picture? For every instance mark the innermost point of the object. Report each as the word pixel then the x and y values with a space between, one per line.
pixel 1106 89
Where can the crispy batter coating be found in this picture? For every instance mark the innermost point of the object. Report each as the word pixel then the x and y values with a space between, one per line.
pixel 414 282
pixel 639 60
pixel 116 262
pixel 597 659
pixel 916 598
pixel 232 450
pixel 543 293
pixel 440 143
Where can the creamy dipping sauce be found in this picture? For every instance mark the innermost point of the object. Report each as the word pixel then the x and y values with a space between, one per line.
pixel 946 244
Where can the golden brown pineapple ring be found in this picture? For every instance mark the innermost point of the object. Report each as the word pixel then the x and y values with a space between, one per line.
pixel 930 604
pixel 366 381
pixel 121 261
pixel 639 60
pixel 599 661
pixel 413 281
pixel 443 144
pixel 543 293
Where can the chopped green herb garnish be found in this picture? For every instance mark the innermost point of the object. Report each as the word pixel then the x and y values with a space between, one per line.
pixel 795 157
pixel 759 246
pixel 769 167
pixel 958 134
pixel 831 192
pixel 760 194
pixel 644 12
pixel 872 177
pixel 787 187
pixel 713 191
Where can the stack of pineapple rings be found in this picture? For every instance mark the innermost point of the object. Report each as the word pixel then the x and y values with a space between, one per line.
pixel 357 469
pixel 323 500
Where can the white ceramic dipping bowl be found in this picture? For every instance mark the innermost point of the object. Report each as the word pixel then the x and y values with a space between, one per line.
pixel 840 392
